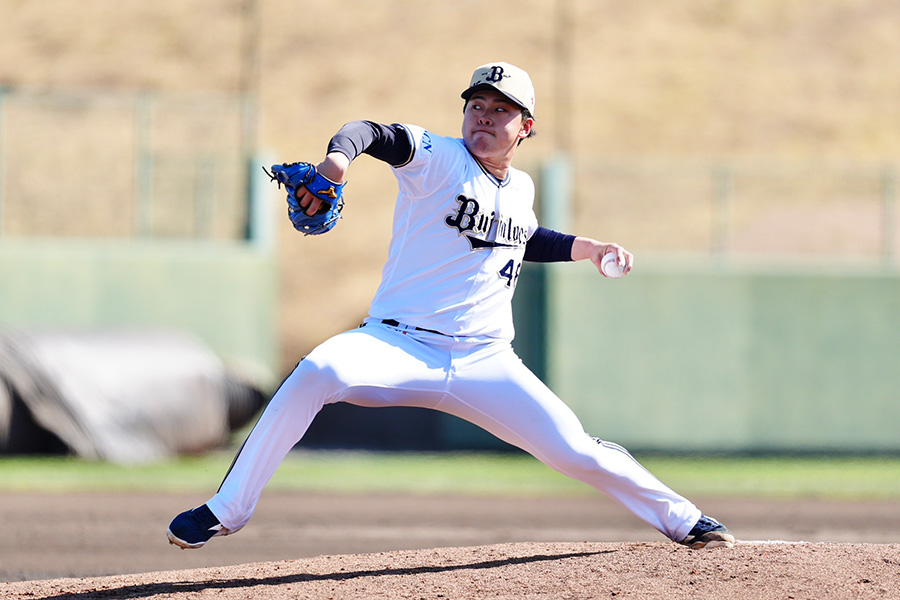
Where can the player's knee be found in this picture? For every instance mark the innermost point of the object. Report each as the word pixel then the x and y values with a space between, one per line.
pixel 575 462
pixel 583 458
pixel 581 466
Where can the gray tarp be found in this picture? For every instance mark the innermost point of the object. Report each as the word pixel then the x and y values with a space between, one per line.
pixel 120 396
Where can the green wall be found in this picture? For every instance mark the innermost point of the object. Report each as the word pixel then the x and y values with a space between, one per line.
pixel 225 293
pixel 700 358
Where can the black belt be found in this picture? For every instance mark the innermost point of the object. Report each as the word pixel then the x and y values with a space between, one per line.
pixel 395 323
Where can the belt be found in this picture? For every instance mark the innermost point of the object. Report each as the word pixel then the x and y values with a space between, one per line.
pixel 395 323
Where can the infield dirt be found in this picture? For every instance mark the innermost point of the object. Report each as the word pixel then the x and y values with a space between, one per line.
pixel 312 546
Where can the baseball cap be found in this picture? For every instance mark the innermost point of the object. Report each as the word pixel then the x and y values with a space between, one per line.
pixel 508 79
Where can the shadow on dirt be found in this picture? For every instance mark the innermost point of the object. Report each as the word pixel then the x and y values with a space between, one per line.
pixel 166 588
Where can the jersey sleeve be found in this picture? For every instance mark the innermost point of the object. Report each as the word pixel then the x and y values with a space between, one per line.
pixel 434 162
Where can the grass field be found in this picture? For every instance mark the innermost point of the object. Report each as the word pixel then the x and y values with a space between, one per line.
pixel 850 478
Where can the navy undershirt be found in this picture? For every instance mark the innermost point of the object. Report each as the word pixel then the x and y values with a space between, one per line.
pixel 546 245
pixel 387 143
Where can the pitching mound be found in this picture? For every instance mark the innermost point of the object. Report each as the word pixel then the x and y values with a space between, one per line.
pixel 521 571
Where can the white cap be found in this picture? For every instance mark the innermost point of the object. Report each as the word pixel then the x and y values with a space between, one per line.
pixel 511 81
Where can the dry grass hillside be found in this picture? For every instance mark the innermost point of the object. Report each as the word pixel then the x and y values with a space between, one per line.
pixel 780 80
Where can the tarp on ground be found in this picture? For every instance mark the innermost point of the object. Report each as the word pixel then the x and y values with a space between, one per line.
pixel 122 396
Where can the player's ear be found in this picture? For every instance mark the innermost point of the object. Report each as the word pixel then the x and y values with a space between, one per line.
pixel 526 127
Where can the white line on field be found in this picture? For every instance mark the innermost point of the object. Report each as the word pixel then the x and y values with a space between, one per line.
pixel 762 542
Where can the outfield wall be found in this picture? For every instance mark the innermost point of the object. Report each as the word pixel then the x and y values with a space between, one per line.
pixel 707 358
pixel 224 292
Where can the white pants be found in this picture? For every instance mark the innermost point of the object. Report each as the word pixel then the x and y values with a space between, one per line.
pixel 479 380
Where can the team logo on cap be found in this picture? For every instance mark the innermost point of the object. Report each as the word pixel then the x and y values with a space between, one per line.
pixel 507 79
pixel 496 74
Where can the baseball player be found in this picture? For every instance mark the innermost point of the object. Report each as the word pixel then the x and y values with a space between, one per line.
pixel 439 330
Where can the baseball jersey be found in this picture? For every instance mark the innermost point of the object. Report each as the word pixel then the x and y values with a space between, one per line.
pixel 459 236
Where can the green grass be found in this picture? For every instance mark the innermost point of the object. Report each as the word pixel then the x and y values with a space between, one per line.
pixel 848 478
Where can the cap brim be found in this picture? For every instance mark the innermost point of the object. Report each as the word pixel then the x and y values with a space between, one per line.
pixel 487 86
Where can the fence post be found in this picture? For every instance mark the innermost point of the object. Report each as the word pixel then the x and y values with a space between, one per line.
pixel 260 216
pixel 143 169
pixel 723 183
pixel 4 92
pixel 888 215
pixel 556 194
pixel 534 301
pixel 204 197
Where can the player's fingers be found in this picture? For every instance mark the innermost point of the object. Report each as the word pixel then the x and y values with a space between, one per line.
pixel 308 202
pixel 620 253
pixel 314 206
pixel 629 261
pixel 623 257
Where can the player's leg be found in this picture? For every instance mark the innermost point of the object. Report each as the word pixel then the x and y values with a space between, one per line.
pixel 368 366
pixel 281 425
pixel 498 393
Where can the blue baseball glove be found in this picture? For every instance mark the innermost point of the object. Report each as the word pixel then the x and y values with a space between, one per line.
pixel 299 175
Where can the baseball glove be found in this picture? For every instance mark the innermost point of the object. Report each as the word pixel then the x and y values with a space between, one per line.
pixel 299 175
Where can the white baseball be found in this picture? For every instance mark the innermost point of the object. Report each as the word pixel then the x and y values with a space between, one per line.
pixel 611 267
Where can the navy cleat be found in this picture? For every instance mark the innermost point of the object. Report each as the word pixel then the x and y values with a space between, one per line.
pixel 195 527
pixel 708 533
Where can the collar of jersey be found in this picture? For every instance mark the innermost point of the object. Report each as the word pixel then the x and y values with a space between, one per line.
pixel 493 177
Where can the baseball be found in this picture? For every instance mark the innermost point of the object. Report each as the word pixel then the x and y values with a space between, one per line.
pixel 611 267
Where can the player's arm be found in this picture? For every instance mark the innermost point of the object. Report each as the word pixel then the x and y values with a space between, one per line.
pixel 388 143
pixel 590 249
pixel 546 245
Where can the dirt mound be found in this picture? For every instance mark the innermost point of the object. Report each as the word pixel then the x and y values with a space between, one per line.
pixel 524 570
pixel 112 545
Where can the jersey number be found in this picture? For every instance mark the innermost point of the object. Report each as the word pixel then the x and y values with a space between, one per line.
pixel 510 272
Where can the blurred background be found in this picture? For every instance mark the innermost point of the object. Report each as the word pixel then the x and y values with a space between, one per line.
pixel 746 152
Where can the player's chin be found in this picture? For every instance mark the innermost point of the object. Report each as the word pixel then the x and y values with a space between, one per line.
pixel 479 139
pixel 482 148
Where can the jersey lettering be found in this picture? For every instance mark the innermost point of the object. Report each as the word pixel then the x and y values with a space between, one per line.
pixel 468 218
pixel 475 225
pixel 510 233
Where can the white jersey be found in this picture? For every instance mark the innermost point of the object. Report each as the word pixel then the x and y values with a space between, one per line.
pixel 458 240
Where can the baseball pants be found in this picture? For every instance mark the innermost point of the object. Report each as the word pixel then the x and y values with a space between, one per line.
pixel 480 380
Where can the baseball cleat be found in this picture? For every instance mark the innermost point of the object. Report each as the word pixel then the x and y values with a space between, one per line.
pixel 195 527
pixel 708 533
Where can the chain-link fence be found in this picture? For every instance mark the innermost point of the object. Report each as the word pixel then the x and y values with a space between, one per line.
pixel 742 207
pixel 84 163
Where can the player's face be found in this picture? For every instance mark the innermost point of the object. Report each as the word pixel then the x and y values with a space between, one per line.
pixel 492 127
